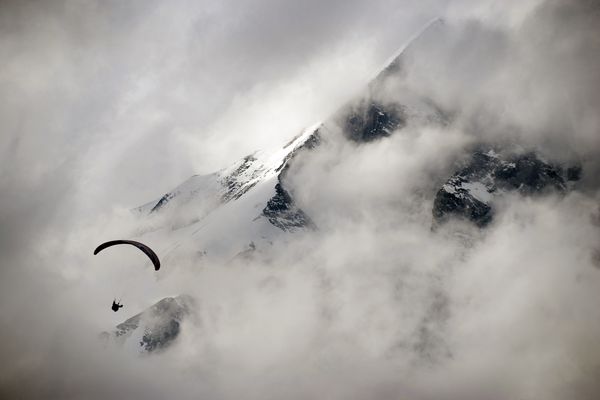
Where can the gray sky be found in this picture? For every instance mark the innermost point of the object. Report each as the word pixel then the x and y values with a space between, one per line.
pixel 108 104
pixel 140 95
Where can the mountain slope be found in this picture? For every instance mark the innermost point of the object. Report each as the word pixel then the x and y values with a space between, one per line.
pixel 221 213
pixel 155 328
pixel 470 192
pixel 240 210
pixel 255 188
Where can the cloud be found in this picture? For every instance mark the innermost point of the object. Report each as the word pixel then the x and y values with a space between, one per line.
pixel 532 83
pixel 108 104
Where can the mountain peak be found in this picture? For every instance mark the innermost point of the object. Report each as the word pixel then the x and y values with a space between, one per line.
pixel 431 30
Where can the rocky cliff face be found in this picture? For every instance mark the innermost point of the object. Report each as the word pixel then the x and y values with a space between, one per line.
pixel 366 120
pixel 156 327
pixel 282 212
pixel 470 192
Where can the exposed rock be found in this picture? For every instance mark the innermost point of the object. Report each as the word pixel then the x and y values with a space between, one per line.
pixel 470 192
pixel 159 325
pixel 282 212
pixel 242 179
pixel 365 121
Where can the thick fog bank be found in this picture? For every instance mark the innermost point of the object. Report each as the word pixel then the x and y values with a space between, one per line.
pixel 373 304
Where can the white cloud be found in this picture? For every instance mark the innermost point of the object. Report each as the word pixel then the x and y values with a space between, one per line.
pixel 107 105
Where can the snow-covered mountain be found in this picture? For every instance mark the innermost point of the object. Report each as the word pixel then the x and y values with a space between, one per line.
pixel 156 327
pixel 221 214
pixel 251 198
pixel 235 211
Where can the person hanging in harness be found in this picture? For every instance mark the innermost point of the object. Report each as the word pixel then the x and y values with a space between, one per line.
pixel 115 306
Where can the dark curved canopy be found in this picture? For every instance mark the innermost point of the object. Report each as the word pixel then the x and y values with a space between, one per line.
pixel 145 249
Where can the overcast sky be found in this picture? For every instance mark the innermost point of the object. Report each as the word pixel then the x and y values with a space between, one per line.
pixel 106 105
pixel 139 95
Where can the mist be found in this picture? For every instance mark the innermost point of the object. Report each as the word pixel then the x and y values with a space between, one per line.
pixel 107 105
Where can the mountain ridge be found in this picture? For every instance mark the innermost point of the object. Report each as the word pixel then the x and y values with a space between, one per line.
pixel 242 209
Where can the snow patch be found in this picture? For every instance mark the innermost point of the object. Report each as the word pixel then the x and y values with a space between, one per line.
pixel 478 190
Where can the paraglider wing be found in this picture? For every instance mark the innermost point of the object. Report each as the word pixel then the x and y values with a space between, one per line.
pixel 145 249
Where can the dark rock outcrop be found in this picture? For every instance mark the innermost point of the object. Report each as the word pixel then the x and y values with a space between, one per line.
pixel 469 193
pixel 281 209
pixel 161 323
pixel 282 212
pixel 366 121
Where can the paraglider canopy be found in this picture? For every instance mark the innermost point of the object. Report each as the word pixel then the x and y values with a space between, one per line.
pixel 145 249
